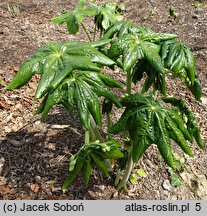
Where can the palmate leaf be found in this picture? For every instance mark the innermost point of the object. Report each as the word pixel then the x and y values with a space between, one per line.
pixel 143 51
pixel 106 15
pixel 192 125
pixel 70 75
pixel 179 59
pixel 149 122
pixel 133 49
pixel 136 44
pixel 75 17
pixel 81 89
pixel 53 58
pixel 124 28
pixel 92 155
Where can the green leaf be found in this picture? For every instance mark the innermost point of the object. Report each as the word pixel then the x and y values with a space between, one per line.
pixel 124 28
pixel 133 178
pixel 139 53
pixel 192 125
pixel 80 161
pixel 175 180
pixel 72 24
pixel 80 4
pixel 86 170
pixel 196 89
pixel 92 155
pixel 179 59
pixel 69 76
pixel 99 162
pixel 150 122
pixel 179 138
pixel 59 20
pixel 30 67
pixel 75 17
pixel 92 53
pixel 106 15
pixel 163 141
pixel 141 173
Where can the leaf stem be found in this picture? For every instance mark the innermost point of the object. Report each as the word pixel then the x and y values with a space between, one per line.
pixel 118 173
pixel 85 30
pixel 94 32
pixel 127 173
pixel 129 83
pixel 87 136
pixel 155 92
pixel 94 131
pixel 109 124
pixel 101 33
pixel 95 135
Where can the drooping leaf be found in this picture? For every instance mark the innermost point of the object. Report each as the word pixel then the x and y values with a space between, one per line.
pixel 51 58
pixel 149 122
pixel 90 155
pixel 87 170
pixel 179 59
pixel 100 164
pixel 106 15
pixel 81 89
pixel 142 50
pixel 191 124
pixel 80 161
pixel 124 28
pixel 135 44
pixel 70 76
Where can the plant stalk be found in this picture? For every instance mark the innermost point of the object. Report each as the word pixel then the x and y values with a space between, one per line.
pixel 85 30
pixel 94 131
pixel 94 32
pixel 109 124
pixel 101 33
pixel 129 164
pixel 95 135
pixel 118 173
pixel 155 93
pixel 129 83
pixel 129 167
pixel 87 137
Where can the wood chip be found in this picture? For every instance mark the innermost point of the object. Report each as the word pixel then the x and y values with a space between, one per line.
pixel 35 187
pixel 16 143
pixel 4 190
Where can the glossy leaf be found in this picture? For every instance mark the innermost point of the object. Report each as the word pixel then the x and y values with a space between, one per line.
pixel 191 124
pixel 87 170
pixel 149 122
pixel 69 76
pixel 90 155
pixel 135 45
pixel 106 15
pixel 53 58
pixel 81 89
pixel 124 28
pixel 179 59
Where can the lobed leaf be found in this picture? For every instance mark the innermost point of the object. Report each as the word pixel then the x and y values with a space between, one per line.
pixel 192 125
pixel 91 155
pixel 149 122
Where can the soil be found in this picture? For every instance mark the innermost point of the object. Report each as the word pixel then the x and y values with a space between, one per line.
pixel 34 156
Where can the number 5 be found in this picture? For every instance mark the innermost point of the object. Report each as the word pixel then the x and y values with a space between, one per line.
pixel 198 207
